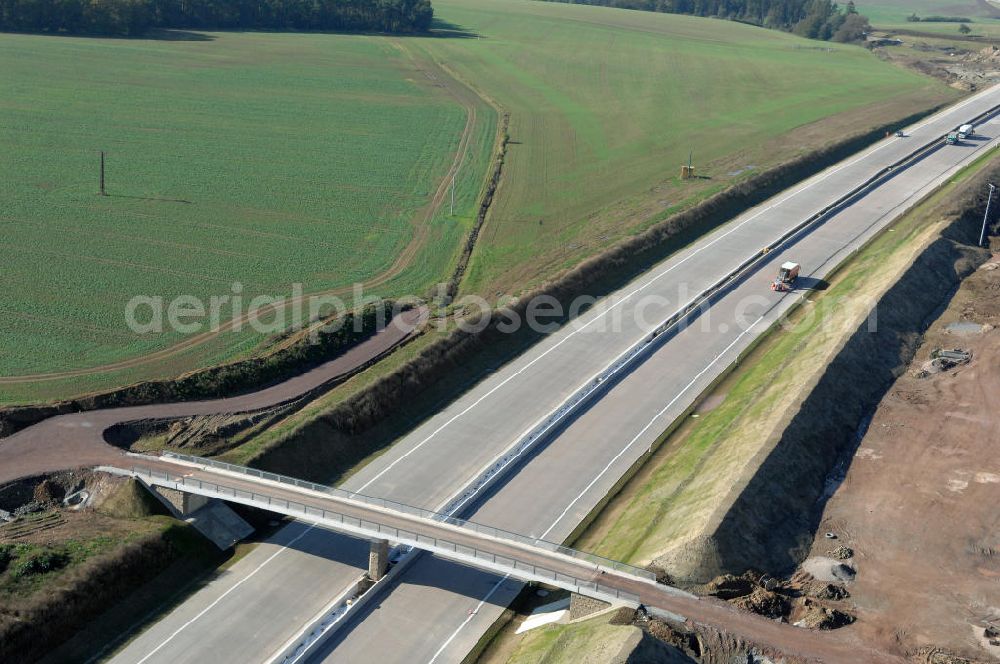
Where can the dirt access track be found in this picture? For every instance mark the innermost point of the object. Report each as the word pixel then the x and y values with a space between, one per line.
pixel 77 440
pixel 919 504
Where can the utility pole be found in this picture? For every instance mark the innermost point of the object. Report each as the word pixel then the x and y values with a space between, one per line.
pixel 452 196
pixel 982 235
pixel 103 193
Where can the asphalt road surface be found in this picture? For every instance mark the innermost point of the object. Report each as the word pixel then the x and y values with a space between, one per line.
pixel 441 609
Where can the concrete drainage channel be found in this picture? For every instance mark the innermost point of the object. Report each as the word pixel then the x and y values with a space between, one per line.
pixel 338 612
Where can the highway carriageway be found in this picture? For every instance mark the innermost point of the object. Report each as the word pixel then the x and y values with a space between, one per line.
pixel 556 486
pixel 438 610
pixel 485 547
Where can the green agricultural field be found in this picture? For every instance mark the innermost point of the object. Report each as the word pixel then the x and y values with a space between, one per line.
pixel 607 104
pixel 270 159
pixel 891 14
pixel 263 159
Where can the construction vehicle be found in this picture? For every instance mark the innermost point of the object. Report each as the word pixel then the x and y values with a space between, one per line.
pixel 966 130
pixel 787 274
pixel 952 138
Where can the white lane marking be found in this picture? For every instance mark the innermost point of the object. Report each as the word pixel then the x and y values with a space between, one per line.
pixel 472 614
pixel 681 393
pixel 816 179
pixel 223 595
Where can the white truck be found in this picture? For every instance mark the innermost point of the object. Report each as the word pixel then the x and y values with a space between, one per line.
pixel 787 274
pixel 965 131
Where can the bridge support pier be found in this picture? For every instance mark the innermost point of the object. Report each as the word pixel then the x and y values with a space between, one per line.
pixel 581 605
pixel 378 559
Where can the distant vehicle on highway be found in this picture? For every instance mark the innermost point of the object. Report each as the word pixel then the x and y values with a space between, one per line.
pixel 787 274
pixel 965 131
pixel 952 138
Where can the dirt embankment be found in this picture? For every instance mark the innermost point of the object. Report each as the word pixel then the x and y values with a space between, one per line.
pixel 62 566
pixel 691 643
pixel 290 356
pixel 328 445
pixel 918 503
pixel 205 435
pixel 772 522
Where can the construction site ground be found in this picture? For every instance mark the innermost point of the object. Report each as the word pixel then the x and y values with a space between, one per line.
pixel 919 502
pixel 965 64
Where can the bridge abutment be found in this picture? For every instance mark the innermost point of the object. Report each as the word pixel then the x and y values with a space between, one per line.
pixel 183 503
pixel 581 605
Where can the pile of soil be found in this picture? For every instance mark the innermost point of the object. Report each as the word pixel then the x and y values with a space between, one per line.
pixel 814 615
pixel 803 600
pixel 34 494
pixel 765 603
pixel 731 586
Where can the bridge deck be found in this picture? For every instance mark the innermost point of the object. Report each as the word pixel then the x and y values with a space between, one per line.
pixel 482 546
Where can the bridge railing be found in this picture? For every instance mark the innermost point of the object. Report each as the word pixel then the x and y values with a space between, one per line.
pixel 496 533
pixel 368 528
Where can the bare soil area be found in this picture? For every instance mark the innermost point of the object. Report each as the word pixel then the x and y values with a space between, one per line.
pixel 920 503
pixel 965 64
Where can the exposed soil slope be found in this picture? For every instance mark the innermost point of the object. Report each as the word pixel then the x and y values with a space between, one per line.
pixel 919 503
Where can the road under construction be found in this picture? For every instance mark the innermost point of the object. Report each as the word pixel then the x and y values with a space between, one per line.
pixel 535 446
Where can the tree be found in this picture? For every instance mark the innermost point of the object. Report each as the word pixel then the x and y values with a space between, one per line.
pixel 135 17
pixel 964 29
pixel 853 29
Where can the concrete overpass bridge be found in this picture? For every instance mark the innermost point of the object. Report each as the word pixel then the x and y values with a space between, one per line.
pixel 529 559
pixel 383 521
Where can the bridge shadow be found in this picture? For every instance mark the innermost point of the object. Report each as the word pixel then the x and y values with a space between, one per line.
pixel 446 576
pixel 322 542
pixel 431 572
pixel 451 588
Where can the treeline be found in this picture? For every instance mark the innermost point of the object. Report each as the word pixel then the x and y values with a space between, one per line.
pixel 913 18
pixel 137 17
pixel 816 19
